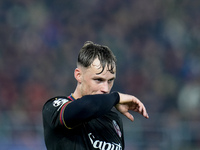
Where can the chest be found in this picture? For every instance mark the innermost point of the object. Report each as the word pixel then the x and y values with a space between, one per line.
pixel 105 132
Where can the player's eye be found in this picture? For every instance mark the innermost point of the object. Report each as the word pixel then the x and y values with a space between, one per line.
pixel 98 80
pixel 110 81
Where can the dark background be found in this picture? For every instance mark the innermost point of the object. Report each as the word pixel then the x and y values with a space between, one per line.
pixel 157 46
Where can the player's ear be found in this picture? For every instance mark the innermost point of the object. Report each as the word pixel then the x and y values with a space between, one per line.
pixel 77 74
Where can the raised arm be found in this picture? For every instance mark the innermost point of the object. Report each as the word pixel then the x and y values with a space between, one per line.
pixel 88 107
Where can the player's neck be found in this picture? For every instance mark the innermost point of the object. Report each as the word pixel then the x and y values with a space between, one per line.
pixel 76 93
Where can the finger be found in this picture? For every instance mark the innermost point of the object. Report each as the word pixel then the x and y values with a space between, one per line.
pixel 129 116
pixel 144 113
pixel 142 110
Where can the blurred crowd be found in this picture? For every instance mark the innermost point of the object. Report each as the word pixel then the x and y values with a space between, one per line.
pixel 158 58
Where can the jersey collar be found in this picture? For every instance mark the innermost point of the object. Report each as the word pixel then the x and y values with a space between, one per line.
pixel 71 97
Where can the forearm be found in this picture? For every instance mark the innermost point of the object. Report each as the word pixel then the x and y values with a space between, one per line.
pixel 89 107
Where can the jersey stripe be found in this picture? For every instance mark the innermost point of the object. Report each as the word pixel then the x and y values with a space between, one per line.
pixel 62 121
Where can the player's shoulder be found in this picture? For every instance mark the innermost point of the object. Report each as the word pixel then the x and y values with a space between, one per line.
pixel 57 101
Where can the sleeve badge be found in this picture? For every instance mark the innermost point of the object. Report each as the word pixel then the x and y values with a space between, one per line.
pixel 59 102
pixel 116 127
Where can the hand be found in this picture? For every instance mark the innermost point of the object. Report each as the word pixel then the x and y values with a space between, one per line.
pixel 129 102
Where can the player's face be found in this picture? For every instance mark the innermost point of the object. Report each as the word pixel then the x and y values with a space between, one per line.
pixel 94 83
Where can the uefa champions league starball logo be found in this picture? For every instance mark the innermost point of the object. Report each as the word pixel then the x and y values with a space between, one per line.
pixel 59 102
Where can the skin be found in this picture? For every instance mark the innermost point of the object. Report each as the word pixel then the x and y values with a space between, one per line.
pixel 90 82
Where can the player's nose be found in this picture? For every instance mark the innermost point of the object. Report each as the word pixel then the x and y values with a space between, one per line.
pixel 105 88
